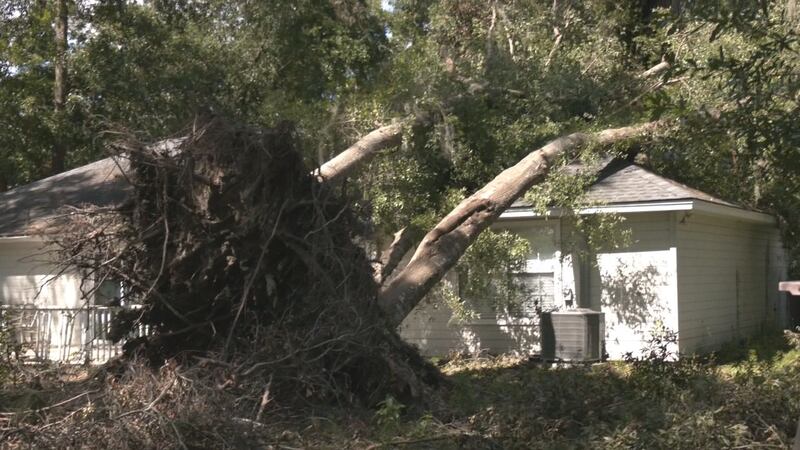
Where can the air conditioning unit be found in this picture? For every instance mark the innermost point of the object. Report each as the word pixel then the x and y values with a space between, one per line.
pixel 573 335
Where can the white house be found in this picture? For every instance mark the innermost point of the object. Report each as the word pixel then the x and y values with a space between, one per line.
pixel 49 314
pixel 697 265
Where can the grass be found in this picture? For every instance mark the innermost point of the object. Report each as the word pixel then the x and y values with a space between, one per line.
pixel 746 396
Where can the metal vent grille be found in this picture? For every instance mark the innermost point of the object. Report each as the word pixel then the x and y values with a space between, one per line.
pixel 575 335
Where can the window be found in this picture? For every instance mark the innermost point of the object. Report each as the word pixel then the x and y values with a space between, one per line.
pixel 108 293
pixel 537 294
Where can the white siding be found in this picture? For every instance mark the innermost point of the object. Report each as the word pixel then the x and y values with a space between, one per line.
pixel 27 278
pixel 24 270
pixel 727 280
pixel 709 278
pixel 431 326
pixel 635 286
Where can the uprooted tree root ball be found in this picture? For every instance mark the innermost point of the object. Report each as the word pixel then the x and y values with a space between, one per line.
pixel 241 259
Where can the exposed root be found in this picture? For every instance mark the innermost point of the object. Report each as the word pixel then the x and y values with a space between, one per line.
pixel 238 255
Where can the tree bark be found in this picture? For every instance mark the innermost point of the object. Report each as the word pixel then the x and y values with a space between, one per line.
pixel 441 248
pixel 655 70
pixel 360 153
pixel 59 86
pixel 404 241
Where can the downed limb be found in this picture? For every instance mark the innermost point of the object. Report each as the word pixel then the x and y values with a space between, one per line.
pixel 655 70
pixel 403 241
pixel 358 154
pixel 363 150
pixel 47 408
pixel 441 248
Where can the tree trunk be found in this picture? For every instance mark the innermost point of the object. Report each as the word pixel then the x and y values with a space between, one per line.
pixel 441 248
pixel 59 86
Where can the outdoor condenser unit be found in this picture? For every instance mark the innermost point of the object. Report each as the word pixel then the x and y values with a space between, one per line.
pixel 574 335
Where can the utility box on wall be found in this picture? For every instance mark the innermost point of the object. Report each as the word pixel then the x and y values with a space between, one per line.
pixel 575 335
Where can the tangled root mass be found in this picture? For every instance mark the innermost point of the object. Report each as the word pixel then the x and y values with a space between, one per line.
pixel 237 255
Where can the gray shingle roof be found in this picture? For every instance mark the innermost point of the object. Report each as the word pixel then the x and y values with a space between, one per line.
pixel 626 182
pixel 29 209
pixel 622 182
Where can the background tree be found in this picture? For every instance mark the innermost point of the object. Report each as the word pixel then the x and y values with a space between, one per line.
pixel 466 88
pixel 59 84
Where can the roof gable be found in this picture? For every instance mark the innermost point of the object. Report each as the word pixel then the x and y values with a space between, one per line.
pixel 625 182
pixel 28 209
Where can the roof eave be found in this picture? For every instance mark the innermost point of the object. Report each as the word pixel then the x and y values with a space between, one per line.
pixel 645 207
pixel 741 214
pixel 22 238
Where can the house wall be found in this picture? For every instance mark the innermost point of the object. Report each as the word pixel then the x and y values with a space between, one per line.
pixel 24 270
pixel 432 327
pixel 26 278
pixel 727 280
pixel 634 286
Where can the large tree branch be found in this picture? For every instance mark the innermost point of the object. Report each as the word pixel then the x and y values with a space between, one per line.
pixel 441 248
pixel 358 154
pixel 404 241
pixel 655 70
pixel 363 150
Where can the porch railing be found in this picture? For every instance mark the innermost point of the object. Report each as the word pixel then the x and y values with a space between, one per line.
pixel 65 335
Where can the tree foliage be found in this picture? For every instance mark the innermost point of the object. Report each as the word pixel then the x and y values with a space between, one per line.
pixel 474 86
pixel 494 78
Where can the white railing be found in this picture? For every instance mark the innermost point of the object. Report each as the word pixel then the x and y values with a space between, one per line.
pixel 65 335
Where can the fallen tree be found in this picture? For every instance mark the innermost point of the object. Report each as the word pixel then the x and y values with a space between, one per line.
pixel 347 162
pixel 442 246
pixel 241 256
pixel 238 255
pixel 361 152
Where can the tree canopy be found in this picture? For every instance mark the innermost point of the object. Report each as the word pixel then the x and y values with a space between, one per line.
pixel 491 79
pixel 322 140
